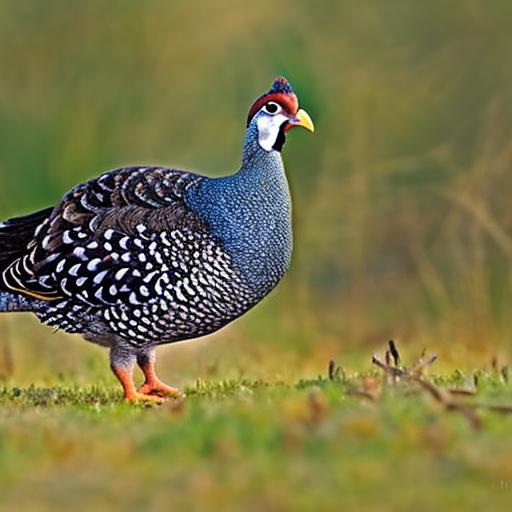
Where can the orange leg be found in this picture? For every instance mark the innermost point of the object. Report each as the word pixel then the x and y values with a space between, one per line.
pixel 130 393
pixel 122 364
pixel 153 385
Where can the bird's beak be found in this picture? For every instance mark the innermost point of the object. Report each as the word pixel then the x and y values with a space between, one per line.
pixel 302 119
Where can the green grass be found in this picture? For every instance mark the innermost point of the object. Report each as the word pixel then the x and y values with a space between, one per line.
pixel 249 445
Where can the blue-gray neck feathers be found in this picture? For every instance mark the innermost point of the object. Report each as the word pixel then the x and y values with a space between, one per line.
pixel 250 213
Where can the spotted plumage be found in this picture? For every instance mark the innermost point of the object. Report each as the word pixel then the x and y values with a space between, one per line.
pixel 148 255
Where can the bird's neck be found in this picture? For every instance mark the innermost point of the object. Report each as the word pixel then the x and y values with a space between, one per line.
pixel 257 163
pixel 250 212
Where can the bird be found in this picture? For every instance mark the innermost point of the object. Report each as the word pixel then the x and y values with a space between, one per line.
pixel 148 255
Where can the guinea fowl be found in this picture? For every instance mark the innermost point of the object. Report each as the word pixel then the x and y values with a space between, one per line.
pixel 143 256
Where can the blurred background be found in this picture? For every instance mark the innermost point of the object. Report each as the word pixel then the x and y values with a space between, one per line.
pixel 403 218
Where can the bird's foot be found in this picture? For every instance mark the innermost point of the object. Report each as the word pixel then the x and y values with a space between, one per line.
pixel 159 390
pixel 138 397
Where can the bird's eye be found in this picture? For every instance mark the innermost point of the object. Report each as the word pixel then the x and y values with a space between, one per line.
pixel 272 108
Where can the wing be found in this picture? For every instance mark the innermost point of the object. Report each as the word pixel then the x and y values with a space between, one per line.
pixel 106 242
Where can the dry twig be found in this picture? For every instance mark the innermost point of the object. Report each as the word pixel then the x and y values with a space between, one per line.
pixel 394 373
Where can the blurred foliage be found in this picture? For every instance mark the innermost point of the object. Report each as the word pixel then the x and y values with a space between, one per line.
pixel 401 197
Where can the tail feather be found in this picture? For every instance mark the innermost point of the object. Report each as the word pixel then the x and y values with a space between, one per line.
pixel 15 235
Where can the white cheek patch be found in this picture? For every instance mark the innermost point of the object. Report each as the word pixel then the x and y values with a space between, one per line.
pixel 268 129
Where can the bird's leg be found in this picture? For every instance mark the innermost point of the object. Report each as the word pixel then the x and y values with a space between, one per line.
pixel 122 362
pixel 153 385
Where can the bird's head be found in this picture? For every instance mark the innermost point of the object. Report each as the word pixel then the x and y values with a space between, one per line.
pixel 275 112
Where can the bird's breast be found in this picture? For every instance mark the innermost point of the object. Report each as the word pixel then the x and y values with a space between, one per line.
pixel 254 226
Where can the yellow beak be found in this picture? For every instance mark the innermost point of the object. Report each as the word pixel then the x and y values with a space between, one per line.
pixel 302 119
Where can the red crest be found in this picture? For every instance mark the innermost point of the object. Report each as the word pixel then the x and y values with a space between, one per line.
pixel 282 93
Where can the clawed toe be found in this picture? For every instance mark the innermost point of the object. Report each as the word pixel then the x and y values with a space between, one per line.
pixel 161 390
pixel 145 398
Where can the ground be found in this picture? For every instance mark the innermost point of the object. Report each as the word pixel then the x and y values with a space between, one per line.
pixel 345 440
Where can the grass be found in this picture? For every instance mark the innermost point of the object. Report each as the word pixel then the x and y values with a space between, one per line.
pixel 240 444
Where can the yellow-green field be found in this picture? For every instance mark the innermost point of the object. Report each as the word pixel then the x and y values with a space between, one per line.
pixel 340 441
pixel 403 230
